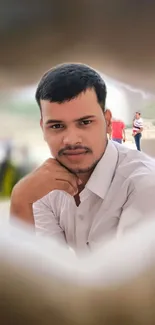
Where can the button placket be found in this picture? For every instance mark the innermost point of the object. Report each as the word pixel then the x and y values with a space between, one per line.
pixel 81 226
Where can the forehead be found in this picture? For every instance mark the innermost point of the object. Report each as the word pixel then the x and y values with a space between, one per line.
pixel 85 104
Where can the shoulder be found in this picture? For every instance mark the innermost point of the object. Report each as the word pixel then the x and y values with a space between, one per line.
pixel 136 167
pixel 140 121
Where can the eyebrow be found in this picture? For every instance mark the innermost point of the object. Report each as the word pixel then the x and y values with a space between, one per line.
pixel 77 120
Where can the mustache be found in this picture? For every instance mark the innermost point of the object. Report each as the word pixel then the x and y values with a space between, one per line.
pixel 67 148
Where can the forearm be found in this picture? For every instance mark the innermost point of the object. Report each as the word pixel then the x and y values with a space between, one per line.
pixel 139 130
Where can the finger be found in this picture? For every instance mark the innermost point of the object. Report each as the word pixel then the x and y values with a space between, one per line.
pixel 67 187
pixel 71 178
pixel 70 181
pixel 79 181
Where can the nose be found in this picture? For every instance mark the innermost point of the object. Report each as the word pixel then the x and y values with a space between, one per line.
pixel 72 137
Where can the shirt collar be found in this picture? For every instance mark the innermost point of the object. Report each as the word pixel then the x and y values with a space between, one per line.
pixel 101 178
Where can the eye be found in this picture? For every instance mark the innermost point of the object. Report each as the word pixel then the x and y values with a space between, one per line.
pixel 86 122
pixel 56 126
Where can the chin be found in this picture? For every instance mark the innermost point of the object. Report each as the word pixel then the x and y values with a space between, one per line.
pixel 81 169
pixel 76 168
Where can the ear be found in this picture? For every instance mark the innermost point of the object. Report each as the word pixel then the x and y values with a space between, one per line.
pixel 108 119
pixel 41 125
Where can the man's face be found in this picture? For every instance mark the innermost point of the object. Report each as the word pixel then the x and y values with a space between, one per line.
pixel 75 131
pixel 137 116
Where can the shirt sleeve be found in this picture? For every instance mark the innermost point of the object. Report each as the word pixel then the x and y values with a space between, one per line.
pixel 46 223
pixel 139 207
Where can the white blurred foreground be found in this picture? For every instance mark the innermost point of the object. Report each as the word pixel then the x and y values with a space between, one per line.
pixel 42 283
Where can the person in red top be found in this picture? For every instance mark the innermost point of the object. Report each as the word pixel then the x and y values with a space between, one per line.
pixel 118 131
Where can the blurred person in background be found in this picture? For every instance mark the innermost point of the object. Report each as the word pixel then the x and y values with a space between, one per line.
pixel 118 131
pixel 22 159
pixel 14 164
pixel 137 129
pixel 92 187
pixel 8 172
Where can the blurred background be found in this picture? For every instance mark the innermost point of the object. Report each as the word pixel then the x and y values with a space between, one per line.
pixel 114 37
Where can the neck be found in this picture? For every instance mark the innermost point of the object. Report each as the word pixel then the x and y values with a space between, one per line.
pixel 84 178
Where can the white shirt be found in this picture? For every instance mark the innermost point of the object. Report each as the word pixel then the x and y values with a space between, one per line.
pixel 137 124
pixel 119 194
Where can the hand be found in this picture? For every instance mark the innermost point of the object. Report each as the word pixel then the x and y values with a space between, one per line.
pixel 48 177
pixel 124 139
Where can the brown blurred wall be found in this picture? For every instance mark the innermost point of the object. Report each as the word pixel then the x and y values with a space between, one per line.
pixel 116 37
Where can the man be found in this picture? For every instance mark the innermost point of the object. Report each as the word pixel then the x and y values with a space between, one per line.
pixel 137 129
pixel 92 187
pixel 118 131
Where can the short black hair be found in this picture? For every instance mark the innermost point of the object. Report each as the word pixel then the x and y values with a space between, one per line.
pixel 66 81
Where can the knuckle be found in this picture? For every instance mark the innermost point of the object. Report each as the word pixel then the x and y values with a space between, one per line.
pixel 47 164
pixel 68 188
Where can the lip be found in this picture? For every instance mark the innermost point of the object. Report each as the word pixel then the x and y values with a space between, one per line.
pixel 74 152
